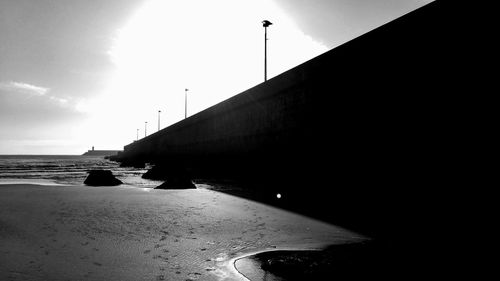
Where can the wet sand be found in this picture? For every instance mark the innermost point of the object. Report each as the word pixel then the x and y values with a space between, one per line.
pixel 128 233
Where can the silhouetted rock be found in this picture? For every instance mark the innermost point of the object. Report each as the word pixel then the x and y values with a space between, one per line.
pixel 101 178
pixel 177 183
pixel 175 176
pixel 156 173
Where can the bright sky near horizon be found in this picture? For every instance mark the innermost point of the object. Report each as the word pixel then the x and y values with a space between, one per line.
pixel 81 73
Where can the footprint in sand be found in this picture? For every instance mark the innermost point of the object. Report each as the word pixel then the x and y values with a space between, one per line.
pixel 157 257
pixel 194 275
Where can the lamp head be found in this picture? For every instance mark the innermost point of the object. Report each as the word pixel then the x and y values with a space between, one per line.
pixel 266 23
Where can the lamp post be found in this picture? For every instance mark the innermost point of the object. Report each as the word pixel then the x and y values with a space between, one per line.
pixel 265 24
pixel 185 102
pixel 137 137
pixel 159 111
pixel 145 128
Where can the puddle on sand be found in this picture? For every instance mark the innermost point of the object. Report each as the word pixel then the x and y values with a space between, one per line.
pixel 250 268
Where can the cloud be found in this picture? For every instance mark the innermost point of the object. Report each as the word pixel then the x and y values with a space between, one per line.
pixel 31 105
pixel 12 88
pixel 60 101
pixel 24 88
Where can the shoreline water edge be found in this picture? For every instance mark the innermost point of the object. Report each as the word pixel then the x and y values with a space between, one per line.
pixel 65 170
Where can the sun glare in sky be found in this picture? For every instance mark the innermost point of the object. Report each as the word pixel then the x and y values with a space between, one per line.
pixel 213 48
pixel 76 74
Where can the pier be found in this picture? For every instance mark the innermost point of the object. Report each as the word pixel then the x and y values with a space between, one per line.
pixel 354 136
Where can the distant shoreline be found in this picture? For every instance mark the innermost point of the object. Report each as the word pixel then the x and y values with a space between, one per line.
pixel 38 155
pixel 101 152
pixel 50 155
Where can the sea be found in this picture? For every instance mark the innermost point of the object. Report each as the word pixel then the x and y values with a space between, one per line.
pixel 65 170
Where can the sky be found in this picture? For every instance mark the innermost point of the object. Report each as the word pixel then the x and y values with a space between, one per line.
pixel 81 73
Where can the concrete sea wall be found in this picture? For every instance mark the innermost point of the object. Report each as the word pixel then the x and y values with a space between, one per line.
pixel 362 128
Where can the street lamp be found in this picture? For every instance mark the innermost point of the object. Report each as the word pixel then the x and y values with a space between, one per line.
pixel 265 24
pixel 185 102
pixel 145 128
pixel 159 111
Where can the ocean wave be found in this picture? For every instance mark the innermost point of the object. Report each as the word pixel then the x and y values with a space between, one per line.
pixel 65 169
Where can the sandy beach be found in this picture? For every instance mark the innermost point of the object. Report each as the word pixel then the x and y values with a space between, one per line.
pixel 129 233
